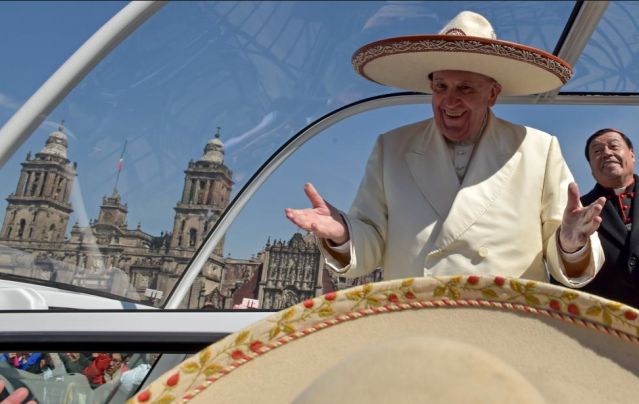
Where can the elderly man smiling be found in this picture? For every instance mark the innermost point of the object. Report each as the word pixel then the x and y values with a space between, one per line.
pixel 612 160
pixel 464 192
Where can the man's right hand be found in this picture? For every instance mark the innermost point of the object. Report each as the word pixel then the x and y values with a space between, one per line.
pixel 323 220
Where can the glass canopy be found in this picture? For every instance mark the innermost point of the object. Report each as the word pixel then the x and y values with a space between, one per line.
pixel 156 141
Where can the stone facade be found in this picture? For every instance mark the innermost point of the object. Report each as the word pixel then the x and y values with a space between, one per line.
pixel 110 258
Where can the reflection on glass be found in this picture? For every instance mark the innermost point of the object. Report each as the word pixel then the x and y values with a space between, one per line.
pixel 278 264
pixel 118 200
pixel 610 61
pixel 107 256
pixel 75 377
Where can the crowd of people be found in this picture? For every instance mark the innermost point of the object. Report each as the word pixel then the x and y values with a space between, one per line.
pixel 32 362
pixel 98 367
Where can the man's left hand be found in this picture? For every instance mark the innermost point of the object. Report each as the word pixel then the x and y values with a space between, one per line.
pixel 578 222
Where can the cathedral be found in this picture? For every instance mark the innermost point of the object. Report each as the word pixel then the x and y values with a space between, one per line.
pixel 111 259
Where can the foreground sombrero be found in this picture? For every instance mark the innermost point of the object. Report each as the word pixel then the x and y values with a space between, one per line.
pixel 440 339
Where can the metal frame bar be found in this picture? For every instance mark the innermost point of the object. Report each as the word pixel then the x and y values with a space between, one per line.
pixel 577 37
pixel 52 92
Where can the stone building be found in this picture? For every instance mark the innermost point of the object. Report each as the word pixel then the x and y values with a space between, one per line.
pixel 39 210
pixel 291 272
pixel 112 259
pixel 107 256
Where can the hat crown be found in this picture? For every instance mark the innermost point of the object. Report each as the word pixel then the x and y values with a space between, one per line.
pixel 468 23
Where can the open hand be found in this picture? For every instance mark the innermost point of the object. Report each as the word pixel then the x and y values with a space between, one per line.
pixel 579 222
pixel 322 219
pixel 17 397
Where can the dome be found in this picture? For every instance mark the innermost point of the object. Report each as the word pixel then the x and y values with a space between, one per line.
pixel 214 150
pixel 56 143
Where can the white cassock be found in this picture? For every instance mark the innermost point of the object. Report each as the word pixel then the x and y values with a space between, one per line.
pixel 412 217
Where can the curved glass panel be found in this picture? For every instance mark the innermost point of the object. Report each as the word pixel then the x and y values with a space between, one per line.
pixel 610 62
pixel 163 133
pixel 271 264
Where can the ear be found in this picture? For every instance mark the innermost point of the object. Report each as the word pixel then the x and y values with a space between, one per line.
pixel 495 90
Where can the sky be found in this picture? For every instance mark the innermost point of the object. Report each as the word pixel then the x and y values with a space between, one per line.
pixel 262 71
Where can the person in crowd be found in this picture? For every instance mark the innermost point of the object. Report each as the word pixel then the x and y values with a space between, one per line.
pixel 95 371
pixel 612 161
pixel 44 366
pixel 28 361
pixel 116 367
pixel 464 192
pixel 11 358
pixel 135 376
pixel 74 362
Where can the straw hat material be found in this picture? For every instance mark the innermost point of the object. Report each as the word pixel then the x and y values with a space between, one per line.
pixel 468 42
pixel 421 369
pixel 466 339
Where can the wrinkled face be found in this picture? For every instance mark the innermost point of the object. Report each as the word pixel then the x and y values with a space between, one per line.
pixel 611 160
pixel 461 101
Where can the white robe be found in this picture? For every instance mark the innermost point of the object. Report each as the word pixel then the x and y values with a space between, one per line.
pixel 413 218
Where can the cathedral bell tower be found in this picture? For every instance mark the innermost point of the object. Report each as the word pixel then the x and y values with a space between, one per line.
pixel 207 188
pixel 39 209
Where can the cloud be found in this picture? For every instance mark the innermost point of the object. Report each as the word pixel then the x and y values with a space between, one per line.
pixel 397 12
pixel 8 102
pixel 267 120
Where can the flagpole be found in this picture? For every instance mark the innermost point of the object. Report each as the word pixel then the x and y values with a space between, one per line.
pixel 120 165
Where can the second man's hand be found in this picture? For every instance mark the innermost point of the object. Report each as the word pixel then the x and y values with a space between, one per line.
pixel 322 219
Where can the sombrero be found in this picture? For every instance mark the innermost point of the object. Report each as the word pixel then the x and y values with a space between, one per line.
pixel 468 42
pixel 462 339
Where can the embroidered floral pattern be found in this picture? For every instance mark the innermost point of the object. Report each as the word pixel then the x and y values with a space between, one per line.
pixel 194 375
pixel 522 54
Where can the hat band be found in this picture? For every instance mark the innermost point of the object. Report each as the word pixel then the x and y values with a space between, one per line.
pixel 440 43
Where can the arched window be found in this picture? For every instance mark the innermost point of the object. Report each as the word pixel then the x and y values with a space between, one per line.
pixel 25 188
pixel 191 191
pixel 192 237
pixel 58 190
pixel 34 185
pixel 44 181
pixel 52 232
pixel 21 228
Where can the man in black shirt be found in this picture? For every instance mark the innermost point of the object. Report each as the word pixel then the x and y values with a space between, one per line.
pixel 612 160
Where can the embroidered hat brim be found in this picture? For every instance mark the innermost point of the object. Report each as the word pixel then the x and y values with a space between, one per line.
pixel 550 342
pixel 406 62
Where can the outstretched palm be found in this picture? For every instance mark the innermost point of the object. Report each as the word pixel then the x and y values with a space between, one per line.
pixel 579 222
pixel 322 219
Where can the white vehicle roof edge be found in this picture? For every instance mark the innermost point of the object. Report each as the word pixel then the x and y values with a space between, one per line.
pixel 20 126
pixel 66 299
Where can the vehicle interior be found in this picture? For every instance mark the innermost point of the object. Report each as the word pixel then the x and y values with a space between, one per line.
pixel 148 150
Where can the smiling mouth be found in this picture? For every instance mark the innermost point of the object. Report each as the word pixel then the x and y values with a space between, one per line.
pixel 453 114
pixel 610 163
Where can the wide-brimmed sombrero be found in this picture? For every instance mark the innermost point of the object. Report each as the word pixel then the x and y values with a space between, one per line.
pixel 468 42
pixel 461 339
